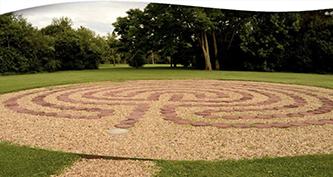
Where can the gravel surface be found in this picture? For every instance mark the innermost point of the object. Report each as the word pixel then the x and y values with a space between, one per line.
pixel 143 106
pixel 114 168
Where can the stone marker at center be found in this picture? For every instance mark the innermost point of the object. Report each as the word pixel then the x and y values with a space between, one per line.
pixel 118 131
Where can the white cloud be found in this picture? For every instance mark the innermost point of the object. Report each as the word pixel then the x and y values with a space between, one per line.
pixel 252 5
pixel 97 16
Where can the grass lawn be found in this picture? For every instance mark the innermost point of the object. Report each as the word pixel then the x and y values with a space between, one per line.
pixel 24 161
pixel 310 165
pixel 123 72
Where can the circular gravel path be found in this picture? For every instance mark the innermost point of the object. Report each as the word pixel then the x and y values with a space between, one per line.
pixel 172 119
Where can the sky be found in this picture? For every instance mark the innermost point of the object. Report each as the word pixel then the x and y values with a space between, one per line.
pixel 97 16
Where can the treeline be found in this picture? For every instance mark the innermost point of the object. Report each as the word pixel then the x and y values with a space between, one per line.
pixel 231 40
pixel 25 49
pixel 205 38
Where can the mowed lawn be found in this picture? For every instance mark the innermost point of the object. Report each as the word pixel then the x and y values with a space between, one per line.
pixel 25 161
pixel 123 73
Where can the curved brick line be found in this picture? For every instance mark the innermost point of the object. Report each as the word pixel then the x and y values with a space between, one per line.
pixel 271 99
pixel 255 125
pixel 39 100
pixel 327 103
pixel 65 98
pixel 326 107
pixel 134 117
pixel 299 101
pixel 89 95
pixel 245 97
pixel 158 89
pixel 155 96
pixel 294 97
pixel 171 115
pixel 13 105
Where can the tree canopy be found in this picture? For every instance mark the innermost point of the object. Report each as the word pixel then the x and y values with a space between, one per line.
pixel 228 39
pixel 25 49
pixel 204 38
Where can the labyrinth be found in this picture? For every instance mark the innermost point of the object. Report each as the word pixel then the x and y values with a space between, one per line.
pixel 219 104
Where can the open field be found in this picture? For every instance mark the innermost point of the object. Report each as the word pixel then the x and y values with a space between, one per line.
pixel 179 136
pixel 123 72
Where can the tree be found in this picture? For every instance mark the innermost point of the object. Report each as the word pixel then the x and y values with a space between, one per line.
pixel 23 49
pixel 134 40
pixel 177 27
pixel 74 49
pixel 58 26
pixel 90 51
pixel 250 40
pixel 227 24
pixel 267 37
pixel 169 37
pixel 199 23
pixel 112 52
pixel 312 47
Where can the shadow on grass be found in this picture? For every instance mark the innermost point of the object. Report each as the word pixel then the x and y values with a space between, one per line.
pixel 25 161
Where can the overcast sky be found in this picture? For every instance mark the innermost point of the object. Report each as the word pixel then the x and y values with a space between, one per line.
pixel 97 16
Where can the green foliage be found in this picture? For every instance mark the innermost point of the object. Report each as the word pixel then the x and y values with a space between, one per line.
pixel 312 47
pixel 309 165
pixel 25 161
pixel 170 37
pixel 267 37
pixel 73 49
pixel 108 46
pixel 24 49
pixel 297 42
pixel 202 37
pixel 21 46
pixel 134 41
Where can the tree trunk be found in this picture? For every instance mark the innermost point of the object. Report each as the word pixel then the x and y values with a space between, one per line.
pixel 217 64
pixel 114 63
pixel 205 50
pixel 203 42
pixel 152 58
pixel 233 34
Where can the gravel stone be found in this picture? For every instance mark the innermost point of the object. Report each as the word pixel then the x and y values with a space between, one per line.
pixel 29 118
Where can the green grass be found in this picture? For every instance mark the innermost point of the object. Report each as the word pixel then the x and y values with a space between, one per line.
pixel 123 73
pixel 24 161
pixel 310 165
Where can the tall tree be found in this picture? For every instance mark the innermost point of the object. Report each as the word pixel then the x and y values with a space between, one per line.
pixel 267 37
pixel 226 25
pixel 167 33
pixel 133 38
pixel 112 54
pixel 74 49
pixel 197 20
pixel 311 48
pixel 23 49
